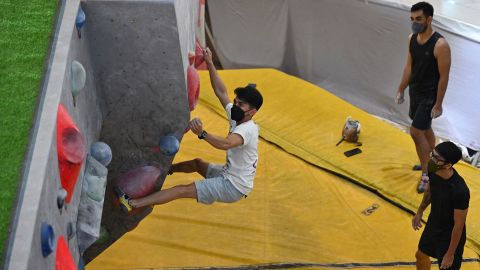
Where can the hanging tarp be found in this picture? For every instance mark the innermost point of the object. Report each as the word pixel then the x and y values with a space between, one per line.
pixel 356 49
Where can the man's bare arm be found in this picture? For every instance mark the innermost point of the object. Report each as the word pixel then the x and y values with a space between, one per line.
pixel 217 83
pixel 232 140
pixel 442 54
pixel 425 201
pixel 459 218
pixel 417 219
pixel 407 70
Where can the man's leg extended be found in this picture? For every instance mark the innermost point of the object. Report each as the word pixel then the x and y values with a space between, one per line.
pixel 422 261
pixel 167 195
pixel 423 148
pixel 195 165
pixel 430 137
pixel 422 145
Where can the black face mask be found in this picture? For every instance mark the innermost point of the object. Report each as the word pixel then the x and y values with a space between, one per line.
pixel 434 167
pixel 237 113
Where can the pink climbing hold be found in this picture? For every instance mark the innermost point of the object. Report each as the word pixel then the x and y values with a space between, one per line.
pixel 138 182
pixel 70 149
pixel 200 63
pixel 193 83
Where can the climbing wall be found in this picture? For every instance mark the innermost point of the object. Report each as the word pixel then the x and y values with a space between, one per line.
pixel 114 108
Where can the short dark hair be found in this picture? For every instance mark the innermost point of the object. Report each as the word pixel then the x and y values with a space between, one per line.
pixel 250 95
pixel 425 7
pixel 449 151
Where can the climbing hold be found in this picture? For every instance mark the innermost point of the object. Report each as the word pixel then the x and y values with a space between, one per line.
pixel 200 63
pixel 101 152
pixel 78 77
pixel 70 230
pixel 81 264
pixel 169 145
pixel 138 182
pixel 80 21
pixel 61 195
pixel 96 187
pixel 70 150
pixel 64 258
pixel 47 238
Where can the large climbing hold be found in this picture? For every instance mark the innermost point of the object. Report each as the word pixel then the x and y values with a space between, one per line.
pixel 138 182
pixel 70 150
pixel 91 203
pixel 193 82
pixel 78 78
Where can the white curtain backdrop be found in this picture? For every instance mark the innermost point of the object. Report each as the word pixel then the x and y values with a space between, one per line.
pixel 354 49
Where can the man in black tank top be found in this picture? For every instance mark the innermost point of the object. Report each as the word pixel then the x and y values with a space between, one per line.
pixel 426 74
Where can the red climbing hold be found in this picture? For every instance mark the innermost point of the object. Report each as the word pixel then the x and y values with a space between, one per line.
pixel 64 259
pixel 70 150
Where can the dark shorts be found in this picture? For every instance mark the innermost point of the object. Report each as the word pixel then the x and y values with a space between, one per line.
pixel 420 111
pixel 435 247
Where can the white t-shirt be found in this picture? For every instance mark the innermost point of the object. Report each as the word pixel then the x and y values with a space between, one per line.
pixel 242 160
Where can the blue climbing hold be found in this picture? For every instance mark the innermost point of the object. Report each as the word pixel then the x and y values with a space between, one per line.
pixel 101 152
pixel 47 238
pixel 169 145
pixel 80 21
pixel 81 264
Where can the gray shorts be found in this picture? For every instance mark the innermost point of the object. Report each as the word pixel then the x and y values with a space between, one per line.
pixel 216 188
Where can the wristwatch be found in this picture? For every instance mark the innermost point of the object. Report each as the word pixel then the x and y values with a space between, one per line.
pixel 203 135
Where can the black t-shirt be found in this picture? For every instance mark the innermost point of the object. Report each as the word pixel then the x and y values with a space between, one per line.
pixel 446 195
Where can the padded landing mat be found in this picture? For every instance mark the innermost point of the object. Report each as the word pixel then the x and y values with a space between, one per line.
pixel 298 216
pixel 306 121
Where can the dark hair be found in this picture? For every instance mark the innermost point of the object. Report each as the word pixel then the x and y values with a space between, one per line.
pixel 449 151
pixel 425 7
pixel 250 95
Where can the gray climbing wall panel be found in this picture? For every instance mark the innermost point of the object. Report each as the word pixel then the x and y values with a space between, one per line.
pixel 139 71
pixel 134 54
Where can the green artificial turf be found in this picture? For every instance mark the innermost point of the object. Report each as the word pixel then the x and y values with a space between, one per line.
pixel 26 28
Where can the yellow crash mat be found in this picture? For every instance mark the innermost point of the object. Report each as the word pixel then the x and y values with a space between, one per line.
pixel 297 216
pixel 307 120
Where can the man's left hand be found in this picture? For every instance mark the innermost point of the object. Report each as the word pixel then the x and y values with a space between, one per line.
pixel 447 261
pixel 196 126
pixel 436 111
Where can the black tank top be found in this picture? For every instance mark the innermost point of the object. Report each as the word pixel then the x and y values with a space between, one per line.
pixel 424 76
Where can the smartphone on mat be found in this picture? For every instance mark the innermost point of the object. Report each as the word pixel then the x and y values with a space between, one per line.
pixel 352 152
